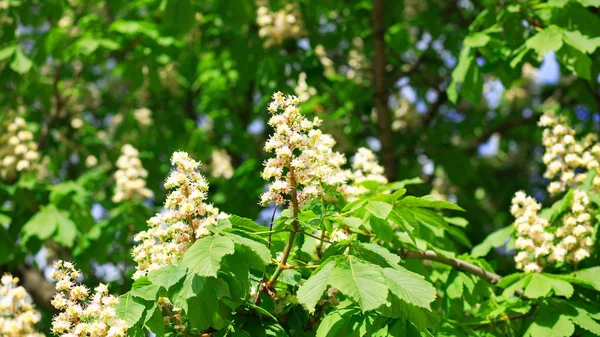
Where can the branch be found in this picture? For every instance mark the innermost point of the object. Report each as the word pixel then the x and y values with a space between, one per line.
pixel 459 264
pixel 384 122
pixel 509 318
pixel 500 128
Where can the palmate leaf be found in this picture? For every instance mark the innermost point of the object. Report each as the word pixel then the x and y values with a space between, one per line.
pixel 167 276
pixel 493 240
pixel 205 255
pixel 311 291
pixel 584 319
pixel 410 287
pixel 130 309
pixel 332 323
pixel 362 282
pixel 379 209
pixel 550 322
pixel 257 247
pixel 51 222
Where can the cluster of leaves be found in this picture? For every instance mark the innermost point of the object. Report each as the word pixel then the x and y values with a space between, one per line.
pixel 77 71
pixel 360 286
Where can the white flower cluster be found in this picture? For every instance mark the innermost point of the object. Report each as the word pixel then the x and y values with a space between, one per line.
pixel 186 219
pixel 304 158
pixel 538 244
pixel 366 167
pixel 83 314
pixel 17 314
pixel 533 242
pixel 575 234
pixel 130 177
pixel 143 116
pixel 326 62
pixel 18 151
pixel 358 63
pixel 221 165
pixel 303 90
pixel 406 117
pixel 567 159
pixel 277 26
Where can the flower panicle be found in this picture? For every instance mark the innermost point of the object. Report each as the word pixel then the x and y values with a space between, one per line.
pixel 83 312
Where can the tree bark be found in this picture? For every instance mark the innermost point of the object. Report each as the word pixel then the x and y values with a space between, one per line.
pixel 384 122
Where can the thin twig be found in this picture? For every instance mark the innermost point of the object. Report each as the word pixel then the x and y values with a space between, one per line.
pixel 459 264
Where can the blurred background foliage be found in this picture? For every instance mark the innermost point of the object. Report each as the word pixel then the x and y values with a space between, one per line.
pixel 445 90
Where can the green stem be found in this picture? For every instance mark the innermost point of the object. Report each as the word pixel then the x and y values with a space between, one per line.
pixel 318 238
pixel 272 232
pixel 290 243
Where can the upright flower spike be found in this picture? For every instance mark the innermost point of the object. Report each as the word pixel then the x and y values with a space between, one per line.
pixel 221 165
pixel 82 313
pixel 18 317
pixel 130 177
pixel 304 157
pixel 186 218
pixel 276 27
pixel 575 235
pixel 567 159
pixel 533 242
pixel 365 167
pixel 18 151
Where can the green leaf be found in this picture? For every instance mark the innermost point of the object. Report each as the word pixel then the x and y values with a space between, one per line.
pixel 494 240
pixel 558 208
pixel 476 40
pixel 134 27
pixel 538 286
pixel 457 221
pixel 311 291
pixel 7 52
pixel 148 293
pixel 546 40
pixel 167 276
pixel 205 255
pixel 50 220
pixel 179 15
pixel 410 287
pixel 381 228
pixel 579 41
pixel 334 321
pixel 67 230
pixel 352 222
pixel 390 258
pixel 245 224
pixel 379 209
pixel 87 45
pixel 560 287
pixel 362 282
pixel 587 184
pixel 576 61
pixel 258 248
pixel 155 321
pixel 427 203
pixel 21 63
pixel 589 275
pixel 548 322
pixel 584 319
pixel 129 309
pixel 590 3
pixel 42 224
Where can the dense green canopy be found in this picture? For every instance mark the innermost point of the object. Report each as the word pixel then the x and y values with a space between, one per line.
pixel 442 90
